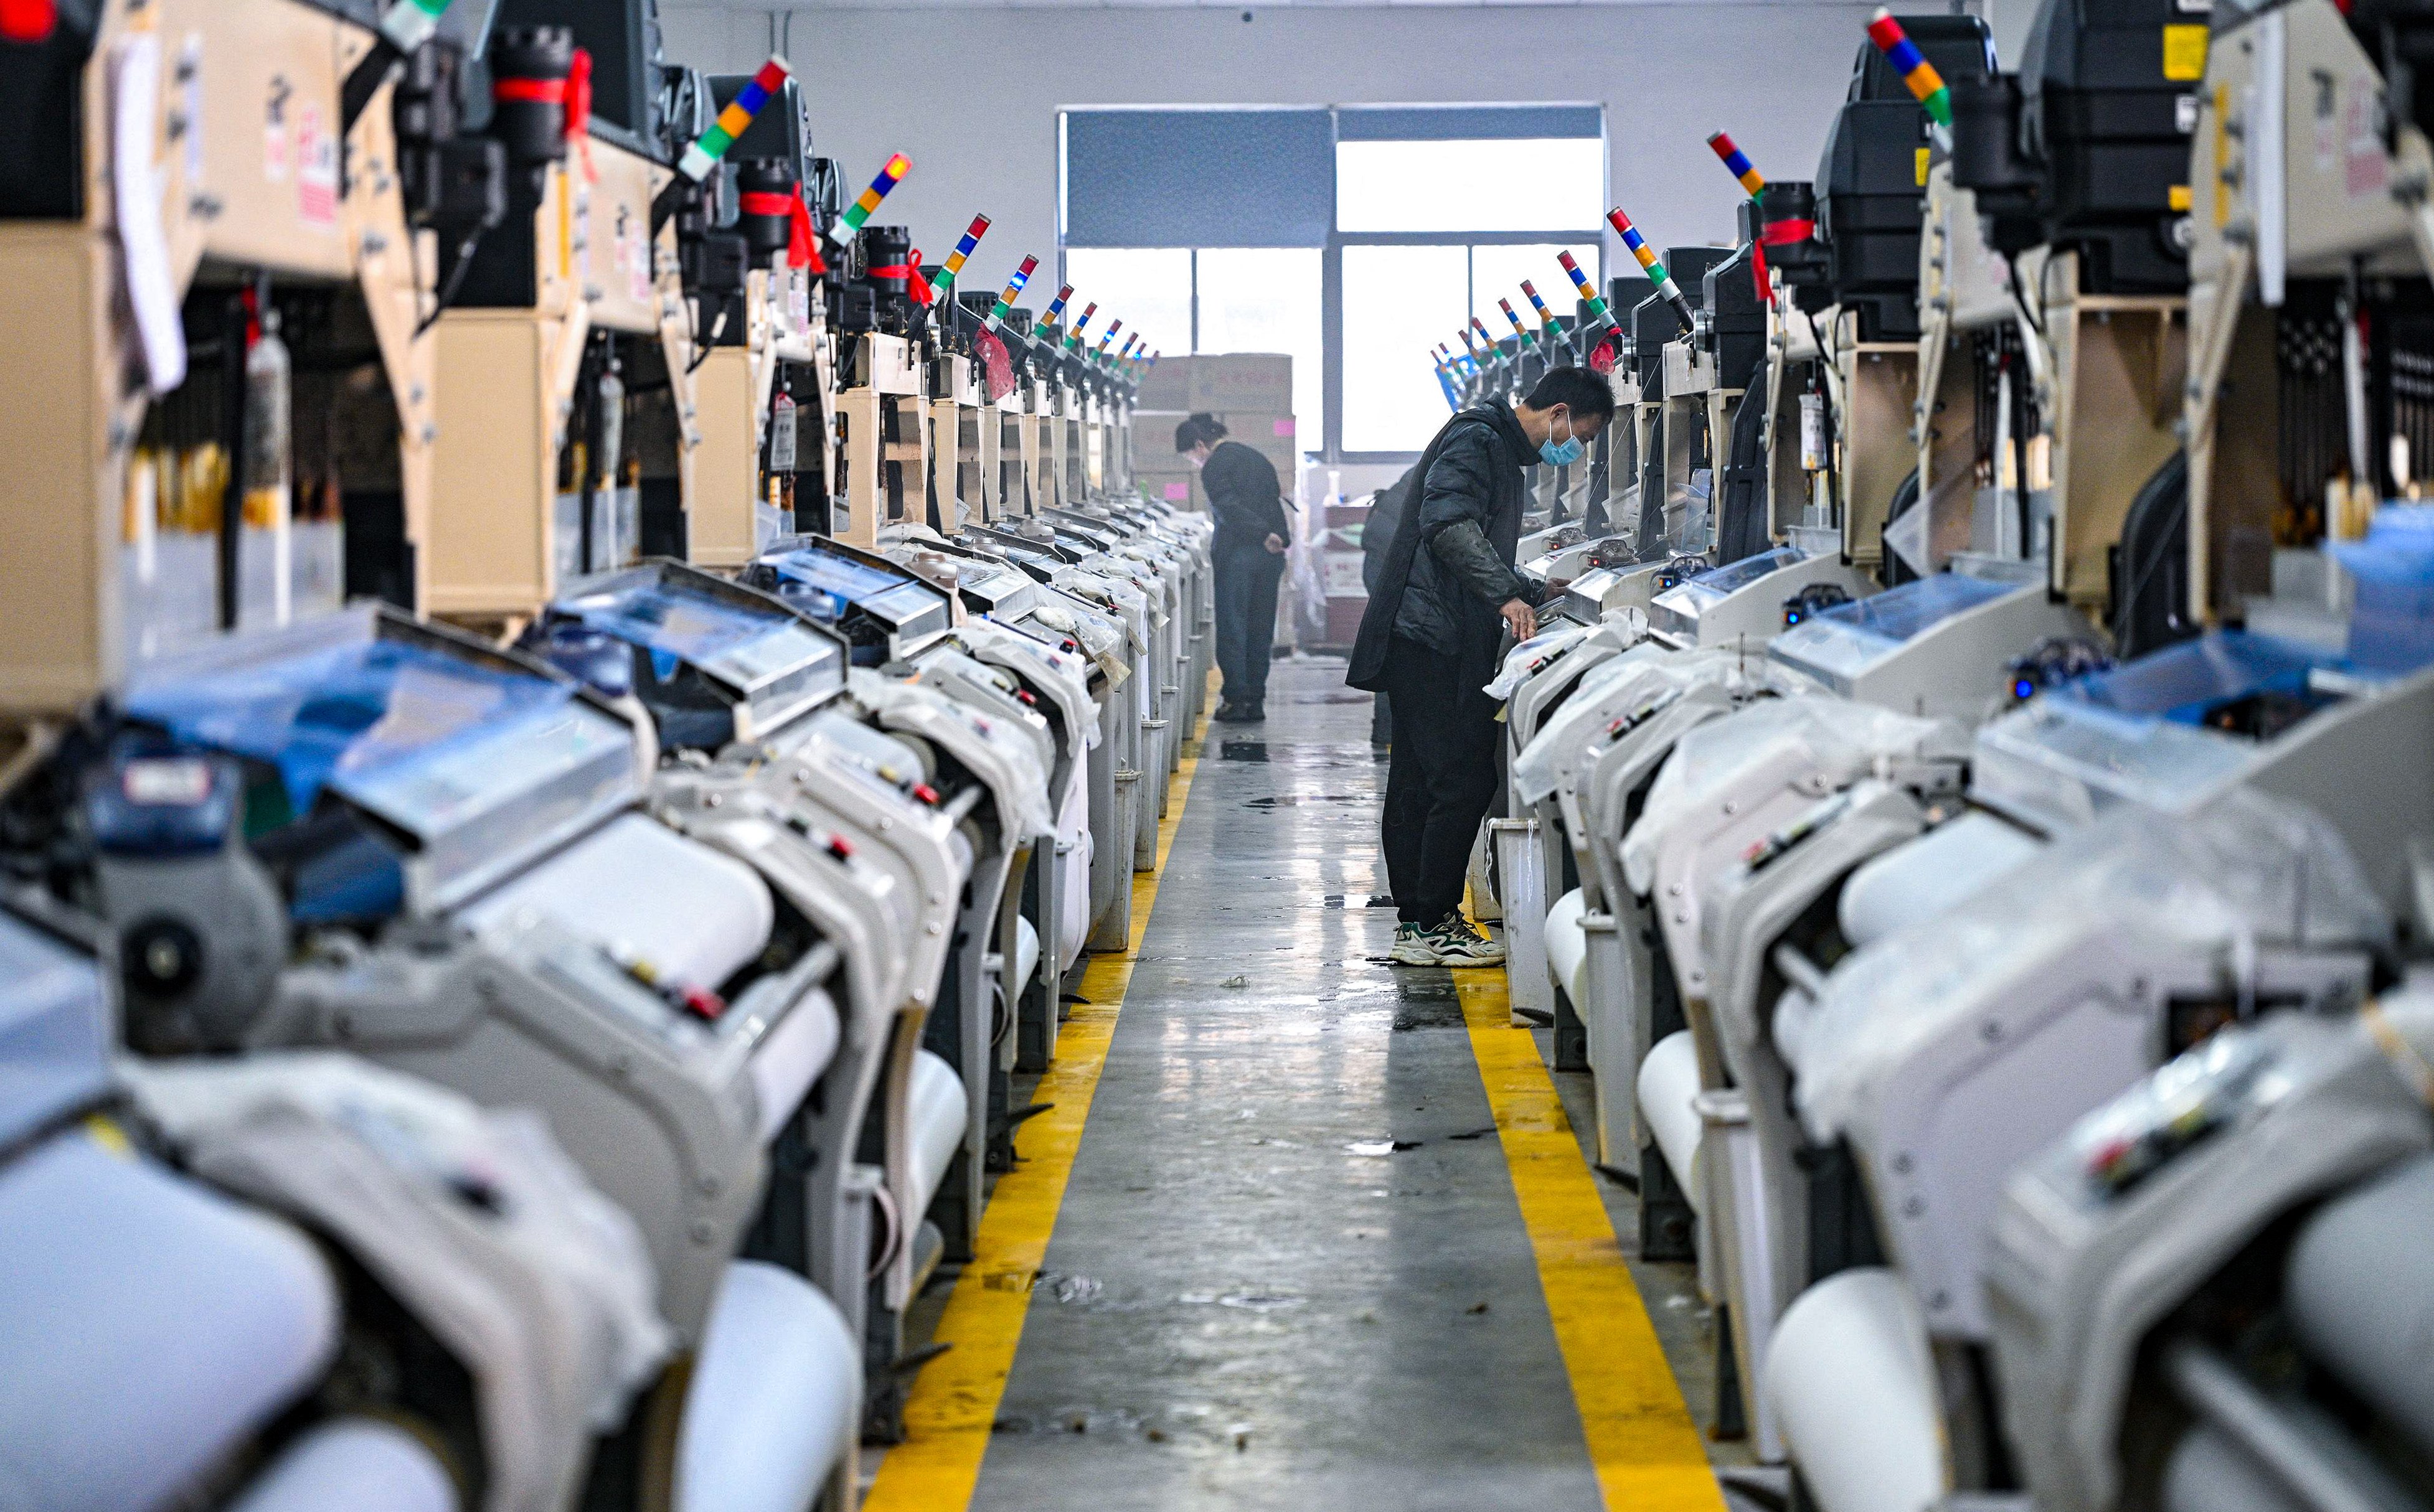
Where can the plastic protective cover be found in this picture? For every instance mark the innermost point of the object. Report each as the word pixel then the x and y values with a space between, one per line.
pixel 1004 757
pixel 56 1028
pixel 765 651
pixel 2245 872
pixel 1841 741
pixel 1607 693
pixel 1850 638
pixel 366 716
pixel 2079 1277
pixel 1690 599
pixel 477 1221
pixel 1118 599
pixel 2136 731
pixel 1099 634
pixel 1061 675
pixel 484 760
pixel 1523 661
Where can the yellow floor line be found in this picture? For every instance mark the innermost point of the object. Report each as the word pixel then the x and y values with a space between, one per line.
pixel 1647 1451
pixel 954 1400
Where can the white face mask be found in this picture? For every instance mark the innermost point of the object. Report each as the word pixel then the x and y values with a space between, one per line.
pixel 1199 456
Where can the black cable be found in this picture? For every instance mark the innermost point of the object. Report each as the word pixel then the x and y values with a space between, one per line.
pixel 2020 297
pixel 456 283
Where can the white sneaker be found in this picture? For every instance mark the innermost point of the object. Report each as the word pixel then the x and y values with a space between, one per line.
pixel 1414 946
pixel 1458 943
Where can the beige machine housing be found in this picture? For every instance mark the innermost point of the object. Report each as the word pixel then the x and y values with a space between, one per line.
pixel 509 379
pixel 240 133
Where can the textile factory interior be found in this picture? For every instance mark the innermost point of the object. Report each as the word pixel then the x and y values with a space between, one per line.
pixel 1663 755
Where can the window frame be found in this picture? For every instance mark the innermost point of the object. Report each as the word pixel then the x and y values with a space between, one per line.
pixel 1331 450
pixel 1331 310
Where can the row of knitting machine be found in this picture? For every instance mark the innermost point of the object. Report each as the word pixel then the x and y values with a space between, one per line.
pixel 570 707
pixel 1969 806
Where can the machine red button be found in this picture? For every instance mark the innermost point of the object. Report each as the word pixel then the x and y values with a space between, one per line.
pixel 926 793
pixel 702 1004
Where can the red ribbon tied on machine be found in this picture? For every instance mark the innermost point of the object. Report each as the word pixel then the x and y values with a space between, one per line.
pixel 579 95
pixel 803 238
pixel 802 241
pixel 573 92
pixel 28 21
pixel 910 271
pixel 1784 232
pixel 578 110
pixel 997 364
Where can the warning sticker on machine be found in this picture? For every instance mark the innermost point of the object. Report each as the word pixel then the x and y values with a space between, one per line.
pixel 2365 167
pixel 317 168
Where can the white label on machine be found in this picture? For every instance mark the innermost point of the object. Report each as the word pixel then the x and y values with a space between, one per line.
pixel 1341 574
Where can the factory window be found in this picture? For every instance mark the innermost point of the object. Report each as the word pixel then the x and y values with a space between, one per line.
pixel 1468 186
pixel 1353 238
pixel 1149 288
pixel 1401 298
pixel 1215 299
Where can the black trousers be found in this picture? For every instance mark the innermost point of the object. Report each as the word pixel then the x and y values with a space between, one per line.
pixel 1246 619
pixel 1440 781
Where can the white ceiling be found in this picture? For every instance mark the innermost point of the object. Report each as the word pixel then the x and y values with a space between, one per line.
pixel 767 7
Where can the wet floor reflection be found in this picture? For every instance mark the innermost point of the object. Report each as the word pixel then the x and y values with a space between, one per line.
pixel 1307 1283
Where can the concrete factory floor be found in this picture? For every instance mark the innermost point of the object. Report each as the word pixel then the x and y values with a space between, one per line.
pixel 1317 1230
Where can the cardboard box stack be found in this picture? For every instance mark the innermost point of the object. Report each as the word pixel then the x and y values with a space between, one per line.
pixel 1340 559
pixel 1251 392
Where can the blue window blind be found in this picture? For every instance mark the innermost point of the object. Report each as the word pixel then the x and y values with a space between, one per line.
pixel 1467 123
pixel 1216 178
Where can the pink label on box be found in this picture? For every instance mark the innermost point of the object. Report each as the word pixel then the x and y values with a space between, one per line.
pixel 1285 425
pixel 1177 492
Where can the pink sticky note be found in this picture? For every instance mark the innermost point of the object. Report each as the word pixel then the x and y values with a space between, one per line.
pixel 1177 492
pixel 1285 425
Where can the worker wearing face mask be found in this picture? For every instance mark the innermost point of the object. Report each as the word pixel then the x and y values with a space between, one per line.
pixel 1249 555
pixel 1431 636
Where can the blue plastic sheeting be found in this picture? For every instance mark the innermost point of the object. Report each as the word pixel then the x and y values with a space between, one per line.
pixel 1735 576
pixel 54 1029
pixel 674 622
pixel 1898 615
pixel 841 575
pixel 2392 622
pixel 2181 682
pixel 348 710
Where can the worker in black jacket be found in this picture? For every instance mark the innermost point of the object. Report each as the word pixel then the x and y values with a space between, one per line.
pixel 1431 638
pixel 1249 551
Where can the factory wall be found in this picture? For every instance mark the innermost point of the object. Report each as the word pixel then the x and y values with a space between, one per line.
pixel 972 94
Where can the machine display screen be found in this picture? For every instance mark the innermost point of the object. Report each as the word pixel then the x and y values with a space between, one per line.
pixel 1723 582
pixel 849 580
pixel 1848 638
pixel 731 640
